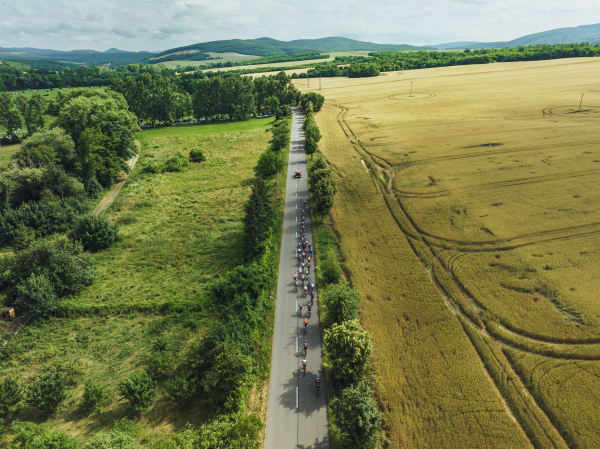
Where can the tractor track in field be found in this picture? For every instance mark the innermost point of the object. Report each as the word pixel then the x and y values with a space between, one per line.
pixel 110 196
pixel 455 305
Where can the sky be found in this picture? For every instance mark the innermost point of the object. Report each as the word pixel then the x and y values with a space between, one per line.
pixel 157 25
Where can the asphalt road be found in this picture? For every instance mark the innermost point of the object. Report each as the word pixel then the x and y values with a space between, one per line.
pixel 297 417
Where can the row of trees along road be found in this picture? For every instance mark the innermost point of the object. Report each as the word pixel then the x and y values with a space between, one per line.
pixel 348 349
pixel 159 98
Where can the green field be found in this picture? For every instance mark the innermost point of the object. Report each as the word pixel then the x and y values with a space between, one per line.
pixel 467 219
pixel 177 232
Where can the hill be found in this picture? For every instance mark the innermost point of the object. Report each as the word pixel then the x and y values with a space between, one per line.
pixel 111 57
pixel 583 33
pixel 265 46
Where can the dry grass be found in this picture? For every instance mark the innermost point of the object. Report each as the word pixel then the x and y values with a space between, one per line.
pixel 476 196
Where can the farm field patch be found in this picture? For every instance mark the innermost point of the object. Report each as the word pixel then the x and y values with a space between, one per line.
pixel 476 198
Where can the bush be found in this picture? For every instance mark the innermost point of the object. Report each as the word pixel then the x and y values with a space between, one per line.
pixel 11 394
pixel 159 365
pixel 61 261
pixel 177 163
pixel 94 396
pixel 152 168
pixel 39 294
pixel 27 435
pixel 340 303
pixel 197 155
pixel 349 351
pixel 240 431
pixel 356 416
pixel 182 389
pixel 138 389
pixel 115 440
pixel 329 268
pixel 23 237
pixel 94 233
pixel 47 391
pixel 57 140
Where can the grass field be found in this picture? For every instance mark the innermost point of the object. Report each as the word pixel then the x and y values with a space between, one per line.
pixel 475 198
pixel 177 232
pixel 226 57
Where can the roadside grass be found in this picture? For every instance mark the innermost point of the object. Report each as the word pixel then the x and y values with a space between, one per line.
pixel 474 197
pixel 177 232
pixel 6 153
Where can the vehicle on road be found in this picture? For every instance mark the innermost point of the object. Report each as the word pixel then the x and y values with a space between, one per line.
pixel 298 174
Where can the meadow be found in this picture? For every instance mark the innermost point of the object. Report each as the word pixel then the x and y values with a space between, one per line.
pixel 467 216
pixel 177 232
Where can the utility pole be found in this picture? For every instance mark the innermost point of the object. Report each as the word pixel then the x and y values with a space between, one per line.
pixel 581 102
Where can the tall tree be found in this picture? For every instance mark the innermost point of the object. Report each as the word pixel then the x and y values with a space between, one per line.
pixel 9 117
pixel 31 110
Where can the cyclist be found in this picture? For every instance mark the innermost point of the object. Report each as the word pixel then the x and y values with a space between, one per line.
pixel 309 258
pixel 318 384
pixel 302 279
pixel 311 250
pixel 305 204
pixel 300 307
pixel 309 268
pixel 312 296
pixel 305 348
pixel 312 287
pixel 309 310
pixel 304 365
pixel 302 264
pixel 305 290
pixel 305 325
pixel 296 284
pixel 309 279
pixel 295 277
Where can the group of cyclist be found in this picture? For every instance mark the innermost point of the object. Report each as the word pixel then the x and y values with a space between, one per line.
pixel 305 253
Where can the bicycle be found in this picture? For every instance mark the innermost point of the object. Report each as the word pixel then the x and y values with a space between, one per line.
pixel 305 326
pixel 304 366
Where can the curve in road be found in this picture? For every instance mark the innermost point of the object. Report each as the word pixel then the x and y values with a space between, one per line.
pixel 297 417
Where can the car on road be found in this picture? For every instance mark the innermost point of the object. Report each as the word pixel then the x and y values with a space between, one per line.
pixel 298 174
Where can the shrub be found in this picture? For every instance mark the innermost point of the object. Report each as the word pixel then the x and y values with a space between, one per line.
pixel 152 168
pixel 159 345
pixel 61 261
pixel 115 440
pixel 329 268
pixel 197 155
pixel 27 435
pixel 340 303
pixel 349 351
pixel 159 365
pixel 182 389
pixel 239 431
pixel 39 293
pixel 94 396
pixel 176 163
pixel 138 389
pixel 11 394
pixel 47 391
pixel 23 237
pixel 356 416
pixel 57 139
pixel 94 233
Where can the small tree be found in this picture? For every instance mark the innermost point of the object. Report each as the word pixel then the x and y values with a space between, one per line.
pixel 310 147
pixel 177 162
pixel 159 365
pixel 94 233
pixel 269 164
pixel 329 268
pixel 138 389
pixel 317 164
pixel 182 389
pixel 340 303
pixel 47 391
pixel 39 293
pixel 324 193
pixel 94 395
pixel 117 439
pixel 11 394
pixel 197 155
pixel 349 351
pixel 312 132
pixel 272 103
pixel 356 416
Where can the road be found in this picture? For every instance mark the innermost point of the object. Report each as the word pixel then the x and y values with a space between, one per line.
pixel 296 418
pixel 110 196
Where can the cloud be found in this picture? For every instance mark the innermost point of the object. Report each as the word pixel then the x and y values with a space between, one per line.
pixel 159 24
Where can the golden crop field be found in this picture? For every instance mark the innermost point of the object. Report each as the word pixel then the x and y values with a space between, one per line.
pixel 468 214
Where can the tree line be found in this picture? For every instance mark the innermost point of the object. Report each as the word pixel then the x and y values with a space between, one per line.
pixel 348 349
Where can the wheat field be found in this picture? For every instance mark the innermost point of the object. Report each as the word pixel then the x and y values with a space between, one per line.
pixel 468 217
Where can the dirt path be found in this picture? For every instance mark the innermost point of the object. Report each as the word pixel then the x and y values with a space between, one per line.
pixel 110 196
